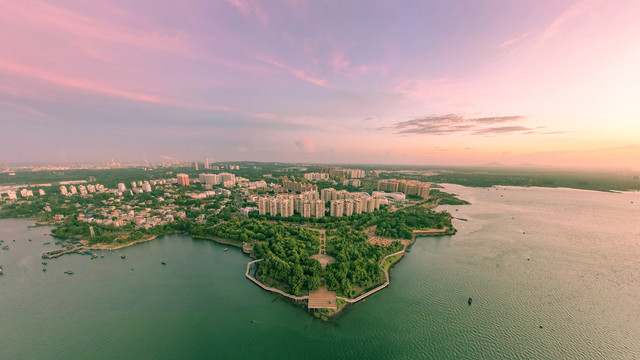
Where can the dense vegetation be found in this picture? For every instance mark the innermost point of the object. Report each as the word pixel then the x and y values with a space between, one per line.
pixel 286 251
pixel 357 262
pixel 444 198
pixel 487 177
pixel 109 234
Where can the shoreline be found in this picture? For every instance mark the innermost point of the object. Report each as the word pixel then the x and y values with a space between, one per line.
pixel 117 247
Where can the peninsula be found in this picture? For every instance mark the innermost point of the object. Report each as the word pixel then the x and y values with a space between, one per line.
pixel 324 238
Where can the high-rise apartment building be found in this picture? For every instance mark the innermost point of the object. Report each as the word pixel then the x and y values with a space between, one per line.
pixel 210 179
pixel 408 187
pixel 348 207
pixel 337 208
pixel 183 179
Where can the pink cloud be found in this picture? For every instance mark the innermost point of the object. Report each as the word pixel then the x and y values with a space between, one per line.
pixel 305 145
pixel 251 9
pixel 343 66
pixel 425 89
pixel 295 72
pixel 17 69
pixel 515 39
pixel 42 14
pixel 340 64
pixel 575 10
pixel 24 109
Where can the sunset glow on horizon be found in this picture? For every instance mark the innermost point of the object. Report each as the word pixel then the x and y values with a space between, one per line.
pixel 549 83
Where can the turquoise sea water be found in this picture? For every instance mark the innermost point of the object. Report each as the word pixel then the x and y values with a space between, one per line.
pixel 565 259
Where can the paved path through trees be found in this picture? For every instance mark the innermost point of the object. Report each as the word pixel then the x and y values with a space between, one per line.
pixel 386 283
pixel 269 288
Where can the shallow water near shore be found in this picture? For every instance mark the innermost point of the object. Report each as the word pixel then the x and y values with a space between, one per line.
pixel 568 260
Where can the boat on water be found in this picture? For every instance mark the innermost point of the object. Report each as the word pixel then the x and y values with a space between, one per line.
pixel 164 262
pixel 69 272
pixel 1 270
pixel 47 243
pixel 6 247
pixel 44 263
pixel 470 300
pixel 226 249
pixel 123 256
pixel 44 269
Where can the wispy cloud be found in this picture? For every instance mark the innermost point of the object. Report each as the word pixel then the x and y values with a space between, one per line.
pixel 455 123
pixel 96 87
pixel 425 89
pixel 251 9
pixel 80 25
pixel 515 39
pixel 295 72
pixel 576 9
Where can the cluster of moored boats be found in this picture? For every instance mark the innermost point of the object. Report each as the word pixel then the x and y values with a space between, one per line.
pixel 58 252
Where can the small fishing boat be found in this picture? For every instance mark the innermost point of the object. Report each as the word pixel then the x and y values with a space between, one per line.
pixel 44 263
pixel 44 269
pixel 164 262
pixel 123 256
pixel 470 300
pixel 226 249
pixel 69 272
pixel 1 270
pixel 6 247
pixel 47 243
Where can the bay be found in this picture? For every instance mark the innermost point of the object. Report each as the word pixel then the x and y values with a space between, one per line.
pixel 565 259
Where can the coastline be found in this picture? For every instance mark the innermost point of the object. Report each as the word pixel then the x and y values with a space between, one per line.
pixel 101 246
pixel 218 240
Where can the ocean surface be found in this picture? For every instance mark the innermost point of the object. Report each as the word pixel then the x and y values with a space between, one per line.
pixel 566 260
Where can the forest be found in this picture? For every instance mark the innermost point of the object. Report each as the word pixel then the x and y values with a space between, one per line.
pixel 357 262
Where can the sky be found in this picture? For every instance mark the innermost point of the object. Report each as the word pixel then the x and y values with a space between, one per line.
pixel 468 82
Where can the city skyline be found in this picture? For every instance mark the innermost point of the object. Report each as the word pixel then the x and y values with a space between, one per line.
pixel 421 83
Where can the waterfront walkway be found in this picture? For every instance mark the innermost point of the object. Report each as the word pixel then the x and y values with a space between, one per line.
pixel 269 288
pixel 384 285
pixel 323 298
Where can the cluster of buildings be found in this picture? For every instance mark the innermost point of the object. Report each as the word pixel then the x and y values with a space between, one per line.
pixel 338 172
pixel 81 189
pixel 316 176
pixel 136 188
pixel 209 193
pixel 12 191
pixel 226 179
pixel 345 203
pixel 306 204
pixel 408 187
pixel 352 182
pixel 146 218
pixel 311 203
pixel 295 186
